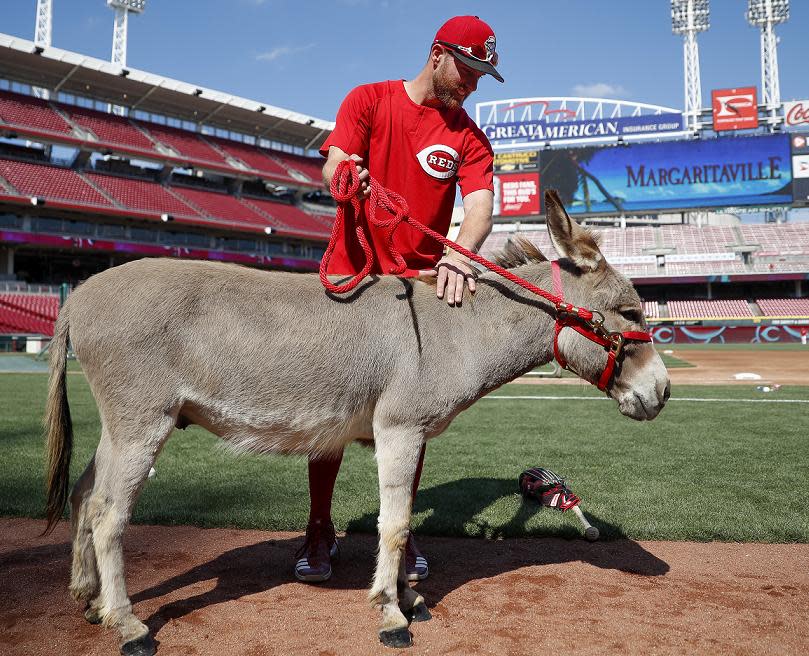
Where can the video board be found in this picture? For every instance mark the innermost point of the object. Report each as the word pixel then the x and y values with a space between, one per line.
pixel 673 175
pixel 800 167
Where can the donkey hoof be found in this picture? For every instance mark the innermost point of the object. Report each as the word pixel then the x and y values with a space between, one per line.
pixel 92 615
pixel 143 646
pixel 396 638
pixel 419 613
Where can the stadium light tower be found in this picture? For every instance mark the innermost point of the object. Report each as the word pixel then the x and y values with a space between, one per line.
pixel 42 32
pixel 688 17
pixel 122 9
pixel 765 14
pixel 42 36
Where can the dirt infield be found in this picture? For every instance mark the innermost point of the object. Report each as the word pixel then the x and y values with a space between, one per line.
pixel 220 591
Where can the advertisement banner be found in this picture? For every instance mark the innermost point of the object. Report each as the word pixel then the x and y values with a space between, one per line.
pixel 526 160
pixel 727 334
pixel 723 172
pixel 545 131
pixel 734 109
pixel 800 166
pixel 800 155
pixel 796 114
pixel 800 143
pixel 516 194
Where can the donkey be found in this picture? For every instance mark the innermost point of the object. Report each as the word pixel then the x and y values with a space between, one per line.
pixel 269 362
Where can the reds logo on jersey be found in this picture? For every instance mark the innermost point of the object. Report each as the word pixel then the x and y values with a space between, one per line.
pixel 439 161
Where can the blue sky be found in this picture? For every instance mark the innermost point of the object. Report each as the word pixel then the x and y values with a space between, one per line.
pixel 306 55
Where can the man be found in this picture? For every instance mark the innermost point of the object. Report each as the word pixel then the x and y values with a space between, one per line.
pixel 414 138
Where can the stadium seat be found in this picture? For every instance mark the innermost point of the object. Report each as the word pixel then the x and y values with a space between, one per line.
pixel 50 182
pixel 222 206
pixel 310 167
pixel 110 128
pixel 27 111
pixel 709 309
pixel 291 218
pixel 142 195
pixel 184 143
pixel 254 157
pixel 27 315
pixel 784 307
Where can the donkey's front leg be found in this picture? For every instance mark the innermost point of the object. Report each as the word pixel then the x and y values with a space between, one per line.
pixel 397 454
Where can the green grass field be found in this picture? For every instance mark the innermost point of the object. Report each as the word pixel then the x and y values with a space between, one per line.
pixel 733 468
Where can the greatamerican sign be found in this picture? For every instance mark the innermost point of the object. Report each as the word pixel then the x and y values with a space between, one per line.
pixel 544 130
pixel 540 121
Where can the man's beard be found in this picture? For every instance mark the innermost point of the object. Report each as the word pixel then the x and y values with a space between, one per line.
pixel 444 90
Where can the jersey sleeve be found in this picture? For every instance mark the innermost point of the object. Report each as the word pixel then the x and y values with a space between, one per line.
pixel 352 128
pixel 476 169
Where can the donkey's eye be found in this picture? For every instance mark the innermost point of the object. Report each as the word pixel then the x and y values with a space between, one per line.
pixel 630 314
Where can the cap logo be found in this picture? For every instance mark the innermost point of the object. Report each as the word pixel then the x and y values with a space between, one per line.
pixel 491 45
pixel 439 161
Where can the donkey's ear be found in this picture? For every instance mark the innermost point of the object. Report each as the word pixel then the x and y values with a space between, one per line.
pixel 570 240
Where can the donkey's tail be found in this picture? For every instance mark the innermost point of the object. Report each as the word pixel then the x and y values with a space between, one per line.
pixel 58 425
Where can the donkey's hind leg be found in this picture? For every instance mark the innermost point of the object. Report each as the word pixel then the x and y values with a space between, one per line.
pixel 84 582
pixel 122 461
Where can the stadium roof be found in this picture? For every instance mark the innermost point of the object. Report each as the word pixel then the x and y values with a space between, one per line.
pixel 72 73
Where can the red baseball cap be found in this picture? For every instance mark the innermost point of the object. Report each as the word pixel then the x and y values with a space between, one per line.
pixel 471 41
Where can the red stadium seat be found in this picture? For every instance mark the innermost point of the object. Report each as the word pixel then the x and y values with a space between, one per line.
pixel 19 314
pixel 26 111
pixel 784 307
pixel 50 182
pixel 142 195
pixel 254 157
pixel 291 218
pixel 222 206
pixel 310 167
pixel 185 143
pixel 110 128
pixel 709 309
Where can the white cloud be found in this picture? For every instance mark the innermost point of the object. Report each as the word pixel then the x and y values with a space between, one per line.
pixel 599 90
pixel 282 51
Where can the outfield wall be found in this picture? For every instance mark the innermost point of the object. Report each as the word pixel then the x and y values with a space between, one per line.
pixel 769 334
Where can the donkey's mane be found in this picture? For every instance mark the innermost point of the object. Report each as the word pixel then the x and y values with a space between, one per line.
pixel 517 251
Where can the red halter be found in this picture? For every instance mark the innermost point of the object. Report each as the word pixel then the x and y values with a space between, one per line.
pixel 584 322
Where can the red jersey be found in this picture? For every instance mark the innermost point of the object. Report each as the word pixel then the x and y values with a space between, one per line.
pixel 420 153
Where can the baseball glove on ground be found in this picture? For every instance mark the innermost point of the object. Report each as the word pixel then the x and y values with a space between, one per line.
pixel 548 488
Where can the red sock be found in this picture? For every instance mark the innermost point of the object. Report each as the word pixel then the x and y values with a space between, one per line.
pixel 322 475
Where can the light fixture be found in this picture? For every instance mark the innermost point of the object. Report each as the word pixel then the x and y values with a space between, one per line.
pixel 268 230
pixel 136 6
pixel 165 218
pixel 37 201
pixel 761 12
pixel 690 16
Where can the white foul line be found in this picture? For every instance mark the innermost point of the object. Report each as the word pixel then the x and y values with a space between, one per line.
pixel 604 398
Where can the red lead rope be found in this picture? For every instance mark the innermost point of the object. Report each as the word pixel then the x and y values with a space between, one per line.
pixel 345 185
